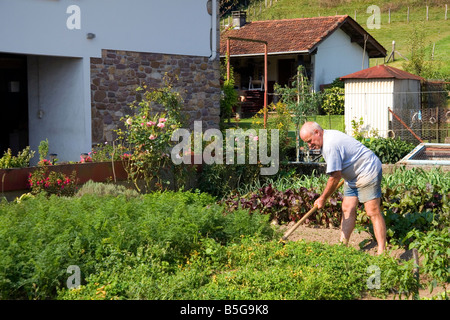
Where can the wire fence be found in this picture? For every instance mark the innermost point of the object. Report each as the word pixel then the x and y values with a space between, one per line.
pixel 422 125
pixel 388 13
pixel 427 122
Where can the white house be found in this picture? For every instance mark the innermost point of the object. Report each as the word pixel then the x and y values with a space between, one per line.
pixel 69 68
pixel 370 92
pixel 328 47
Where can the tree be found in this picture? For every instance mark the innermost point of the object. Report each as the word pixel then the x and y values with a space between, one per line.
pixel 420 62
pixel 227 6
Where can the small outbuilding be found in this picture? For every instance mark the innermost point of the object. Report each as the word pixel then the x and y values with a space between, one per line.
pixel 370 93
pixel 327 47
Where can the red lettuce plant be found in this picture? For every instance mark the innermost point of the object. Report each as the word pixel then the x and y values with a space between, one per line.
pixel 287 205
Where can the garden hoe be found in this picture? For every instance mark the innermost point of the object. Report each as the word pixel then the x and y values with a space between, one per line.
pixel 310 212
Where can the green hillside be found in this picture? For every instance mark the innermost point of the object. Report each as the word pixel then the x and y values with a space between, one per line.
pixel 436 30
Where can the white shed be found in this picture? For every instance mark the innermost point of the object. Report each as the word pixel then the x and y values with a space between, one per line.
pixel 370 93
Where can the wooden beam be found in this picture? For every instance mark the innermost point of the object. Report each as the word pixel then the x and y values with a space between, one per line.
pixel 265 85
pixel 249 40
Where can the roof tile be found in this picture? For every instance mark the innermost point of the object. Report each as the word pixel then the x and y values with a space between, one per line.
pixel 282 35
pixel 382 72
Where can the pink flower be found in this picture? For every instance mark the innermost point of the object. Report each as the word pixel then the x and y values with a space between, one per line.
pixel 150 123
pixel 255 138
pixel 162 119
pixel 152 137
pixel 44 162
pixel 129 121
pixel 142 124
pixel 143 117
pixel 87 159
pixel 160 125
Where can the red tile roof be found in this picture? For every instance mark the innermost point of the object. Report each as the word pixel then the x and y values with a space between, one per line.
pixel 290 35
pixel 382 72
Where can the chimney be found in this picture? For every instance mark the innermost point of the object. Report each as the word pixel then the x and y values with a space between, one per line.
pixel 239 18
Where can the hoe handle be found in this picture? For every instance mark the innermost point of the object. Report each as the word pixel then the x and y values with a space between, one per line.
pixel 310 212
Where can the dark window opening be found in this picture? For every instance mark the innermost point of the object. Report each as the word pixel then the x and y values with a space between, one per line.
pixel 13 103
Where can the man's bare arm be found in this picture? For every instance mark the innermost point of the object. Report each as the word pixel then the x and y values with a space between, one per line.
pixel 332 183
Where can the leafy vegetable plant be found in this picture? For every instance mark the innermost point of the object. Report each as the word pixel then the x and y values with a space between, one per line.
pixel 287 205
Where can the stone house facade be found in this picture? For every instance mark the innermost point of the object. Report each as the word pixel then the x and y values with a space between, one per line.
pixel 116 75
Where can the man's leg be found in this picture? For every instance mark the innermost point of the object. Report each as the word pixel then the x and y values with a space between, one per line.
pixel 348 220
pixel 373 211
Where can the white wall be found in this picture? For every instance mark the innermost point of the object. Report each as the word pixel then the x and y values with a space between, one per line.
pixel 369 99
pixel 57 106
pixel 163 26
pixel 337 56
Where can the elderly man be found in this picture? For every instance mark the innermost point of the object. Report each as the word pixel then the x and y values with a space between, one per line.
pixel 361 169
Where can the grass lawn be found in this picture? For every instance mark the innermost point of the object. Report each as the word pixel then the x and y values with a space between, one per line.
pixel 335 122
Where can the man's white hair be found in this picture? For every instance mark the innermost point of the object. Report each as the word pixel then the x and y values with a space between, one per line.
pixel 310 126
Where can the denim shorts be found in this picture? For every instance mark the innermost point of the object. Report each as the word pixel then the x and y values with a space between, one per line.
pixel 368 192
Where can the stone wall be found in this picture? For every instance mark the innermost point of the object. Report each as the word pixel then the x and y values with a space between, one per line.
pixel 116 75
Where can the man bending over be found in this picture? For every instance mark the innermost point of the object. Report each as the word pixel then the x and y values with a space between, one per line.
pixel 361 169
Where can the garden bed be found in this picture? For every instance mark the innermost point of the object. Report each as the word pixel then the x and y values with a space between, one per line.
pixel 186 245
pixel 16 179
pixel 360 240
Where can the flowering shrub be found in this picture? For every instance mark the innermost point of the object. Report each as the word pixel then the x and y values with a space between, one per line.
pixel 44 162
pixel 125 156
pixel 147 137
pixel 52 183
pixel 86 158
